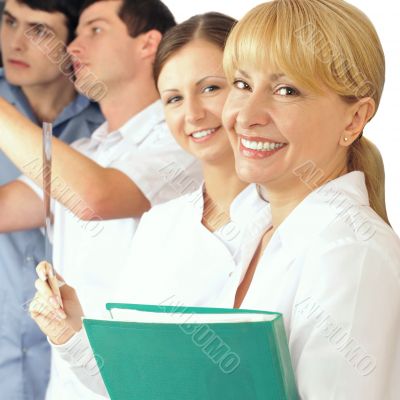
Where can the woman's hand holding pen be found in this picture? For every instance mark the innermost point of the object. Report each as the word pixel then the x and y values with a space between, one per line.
pixel 58 318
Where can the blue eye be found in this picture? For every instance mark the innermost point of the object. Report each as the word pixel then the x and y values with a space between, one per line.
pixel 211 88
pixel 287 91
pixel 173 99
pixel 241 85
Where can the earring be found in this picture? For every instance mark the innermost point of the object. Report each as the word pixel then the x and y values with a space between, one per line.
pixel 346 139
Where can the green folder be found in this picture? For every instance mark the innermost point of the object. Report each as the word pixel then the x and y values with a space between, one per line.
pixel 193 361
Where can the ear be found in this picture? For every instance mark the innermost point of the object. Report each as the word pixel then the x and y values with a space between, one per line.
pixel 150 42
pixel 360 113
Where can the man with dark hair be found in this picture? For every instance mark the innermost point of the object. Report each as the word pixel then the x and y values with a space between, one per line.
pixel 39 90
pixel 141 16
pixel 69 8
pixel 104 184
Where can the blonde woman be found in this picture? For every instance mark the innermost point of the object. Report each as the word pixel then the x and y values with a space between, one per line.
pixel 307 77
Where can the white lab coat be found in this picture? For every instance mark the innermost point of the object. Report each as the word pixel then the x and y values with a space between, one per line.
pixel 88 254
pixel 332 268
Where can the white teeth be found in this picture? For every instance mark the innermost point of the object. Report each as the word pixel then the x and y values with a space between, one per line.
pixel 201 134
pixel 261 146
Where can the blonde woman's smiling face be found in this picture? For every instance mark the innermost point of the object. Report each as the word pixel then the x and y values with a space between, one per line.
pixel 275 127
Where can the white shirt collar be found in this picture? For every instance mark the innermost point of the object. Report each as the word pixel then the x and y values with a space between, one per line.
pixel 246 204
pixel 243 208
pixel 138 127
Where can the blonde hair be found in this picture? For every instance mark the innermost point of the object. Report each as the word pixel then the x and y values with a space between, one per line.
pixel 314 41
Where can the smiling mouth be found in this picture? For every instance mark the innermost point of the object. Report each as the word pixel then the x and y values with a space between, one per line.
pixel 203 134
pixel 260 145
pixel 259 148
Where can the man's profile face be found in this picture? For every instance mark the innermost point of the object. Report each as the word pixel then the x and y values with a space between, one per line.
pixel 103 46
pixel 22 28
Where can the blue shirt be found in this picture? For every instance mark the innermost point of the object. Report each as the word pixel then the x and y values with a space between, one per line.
pixel 24 351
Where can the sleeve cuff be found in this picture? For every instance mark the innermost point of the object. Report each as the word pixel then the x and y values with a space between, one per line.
pixel 77 351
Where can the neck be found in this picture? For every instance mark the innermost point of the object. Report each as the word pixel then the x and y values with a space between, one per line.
pixel 284 198
pixel 122 102
pixel 48 101
pixel 222 184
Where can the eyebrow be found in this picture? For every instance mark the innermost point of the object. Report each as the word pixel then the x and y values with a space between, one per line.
pixel 8 14
pixel 208 77
pixel 198 82
pixel 30 24
pixel 92 21
pixel 245 74
pixel 272 77
pixel 275 77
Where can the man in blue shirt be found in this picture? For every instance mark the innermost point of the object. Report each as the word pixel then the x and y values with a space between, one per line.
pixel 42 91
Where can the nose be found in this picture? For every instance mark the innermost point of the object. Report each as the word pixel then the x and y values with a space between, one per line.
pixel 254 111
pixel 75 48
pixel 18 41
pixel 194 110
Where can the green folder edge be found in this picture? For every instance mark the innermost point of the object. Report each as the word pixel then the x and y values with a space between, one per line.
pixel 286 368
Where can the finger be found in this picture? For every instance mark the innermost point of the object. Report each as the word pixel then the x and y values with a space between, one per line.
pixel 46 273
pixel 46 292
pixel 55 288
pixel 43 270
pixel 40 307
pixel 61 281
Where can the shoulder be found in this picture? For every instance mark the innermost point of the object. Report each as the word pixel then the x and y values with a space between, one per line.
pixel 160 137
pixel 351 252
pixel 363 229
pixel 2 76
pixel 5 88
pixel 175 212
pixel 343 229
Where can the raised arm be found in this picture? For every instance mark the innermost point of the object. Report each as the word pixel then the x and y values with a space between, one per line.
pixel 20 208
pixel 103 192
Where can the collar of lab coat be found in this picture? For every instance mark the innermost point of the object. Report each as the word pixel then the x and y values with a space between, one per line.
pixel 135 130
pixel 320 208
pixel 138 127
pixel 246 205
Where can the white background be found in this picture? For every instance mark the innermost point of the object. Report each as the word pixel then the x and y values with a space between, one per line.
pixel 384 128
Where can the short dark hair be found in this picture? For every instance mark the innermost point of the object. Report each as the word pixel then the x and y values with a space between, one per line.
pixel 141 16
pixel 213 27
pixel 70 8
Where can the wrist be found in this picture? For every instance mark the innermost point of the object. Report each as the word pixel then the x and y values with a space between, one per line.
pixel 62 337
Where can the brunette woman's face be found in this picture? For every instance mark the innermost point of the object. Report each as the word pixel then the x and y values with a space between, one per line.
pixel 193 90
